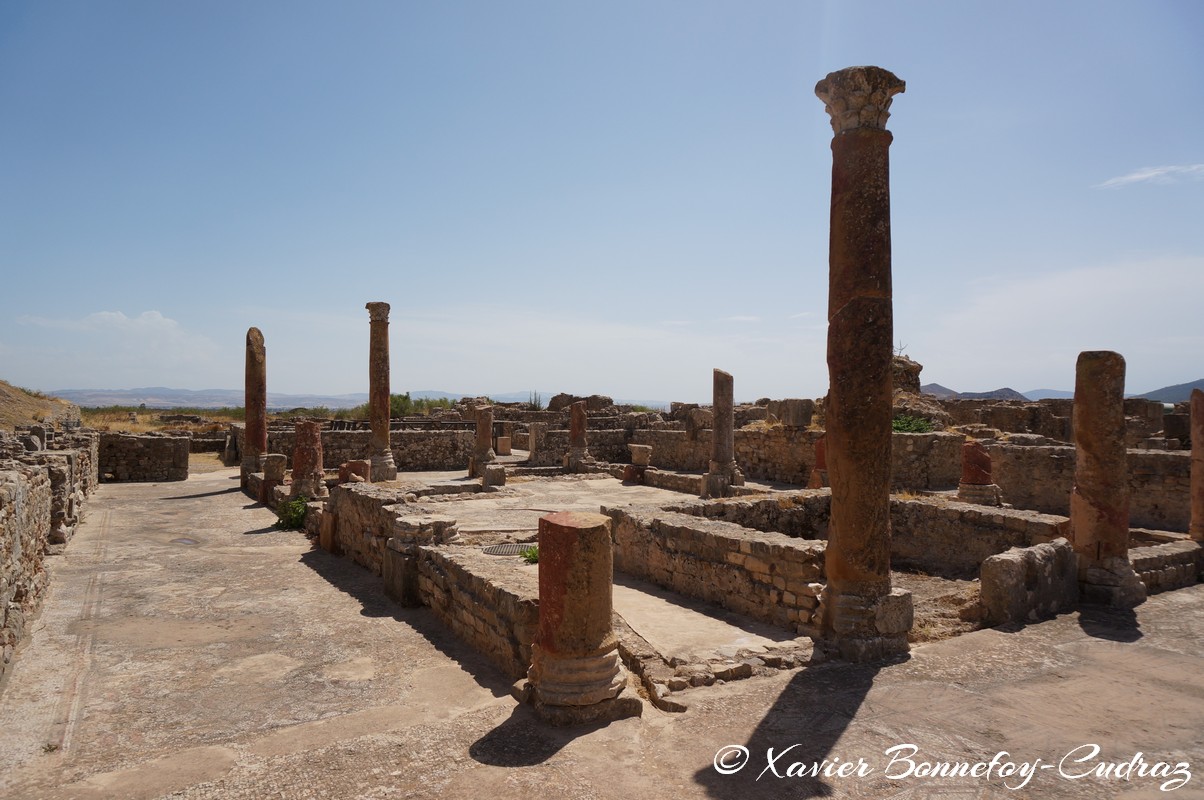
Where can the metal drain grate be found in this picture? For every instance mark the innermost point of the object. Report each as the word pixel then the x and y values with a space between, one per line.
pixel 505 549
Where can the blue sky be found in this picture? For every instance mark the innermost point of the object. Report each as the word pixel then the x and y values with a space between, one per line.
pixel 588 197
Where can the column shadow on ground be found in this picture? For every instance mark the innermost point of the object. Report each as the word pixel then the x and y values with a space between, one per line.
pixel 368 590
pixel 809 716
pixel 523 740
pixel 1113 624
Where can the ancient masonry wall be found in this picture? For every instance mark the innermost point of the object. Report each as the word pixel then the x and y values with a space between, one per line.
pixel 1026 584
pixel 364 516
pixel 768 576
pixel 413 450
pixel 1040 478
pixel 1168 566
pixel 147 457
pixel 25 500
pixel 490 602
pixel 42 496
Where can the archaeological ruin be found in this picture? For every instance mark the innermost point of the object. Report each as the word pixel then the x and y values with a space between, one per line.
pixel 540 537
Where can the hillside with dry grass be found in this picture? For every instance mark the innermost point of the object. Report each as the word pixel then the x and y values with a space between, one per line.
pixel 22 407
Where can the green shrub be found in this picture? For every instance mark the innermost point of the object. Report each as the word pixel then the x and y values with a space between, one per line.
pixel 291 514
pixel 905 423
pixel 531 554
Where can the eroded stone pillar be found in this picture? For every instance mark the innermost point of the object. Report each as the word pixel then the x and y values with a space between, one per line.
pixel 309 479
pixel 482 450
pixel 1197 465
pixel 576 674
pixel 976 485
pixel 722 473
pixel 819 473
pixel 578 457
pixel 255 438
pixel 381 455
pixel 1099 501
pixel 862 618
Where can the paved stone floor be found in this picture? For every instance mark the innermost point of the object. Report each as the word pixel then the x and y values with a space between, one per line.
pixel 188 650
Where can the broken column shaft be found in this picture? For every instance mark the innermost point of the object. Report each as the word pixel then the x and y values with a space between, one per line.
pixel 723 472
pixel 255 437
pixel 578 458
pixel 381 455
pixel 482 451
pixel 309 479
pixel 1099 501
pixel 863 619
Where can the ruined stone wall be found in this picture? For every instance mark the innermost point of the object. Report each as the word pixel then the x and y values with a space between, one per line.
pixel 776 453
pixel 1168 566
pixel 364 516
pixel 25 513
pixel 1026 584
pixel 954 539
pixel 607 445
pixel 413 450
pixel 799 515
pixel 925 461
pixel 491 602
pixel 1040 478
pixel 680 450
pixel 145 457
pixel 767 576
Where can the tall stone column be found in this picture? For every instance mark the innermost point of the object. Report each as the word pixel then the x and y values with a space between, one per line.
pixel 723 472
pixel 1197 465
pixel 309 479
pixel 576 674
pixel 578 458
pixel 1099 501
pixel 383 468
pixel 862 618
pixel 482 451
pixel 255 439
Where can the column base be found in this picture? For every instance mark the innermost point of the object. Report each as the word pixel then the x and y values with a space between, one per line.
pixel 478 462
pixel 578 459
pixel 861 629
pixel 1111 582
pixel 311 490
pixel 989 495
pixel 383 468
pixel 720 479
pixel 576 691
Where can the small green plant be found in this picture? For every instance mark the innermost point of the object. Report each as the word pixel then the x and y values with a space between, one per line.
pixel 531 554
pixel 291 514
pixel 49 747
pixel 536 402
pixel 905 423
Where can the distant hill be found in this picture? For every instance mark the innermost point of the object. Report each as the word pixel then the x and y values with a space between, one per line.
pixel 163 397
pixel 1179 393
pixel 1045 394
pixel 21 407
pixel 938 390
pixel 946 393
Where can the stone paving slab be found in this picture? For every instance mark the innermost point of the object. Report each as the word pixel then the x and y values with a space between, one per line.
pixel 249 665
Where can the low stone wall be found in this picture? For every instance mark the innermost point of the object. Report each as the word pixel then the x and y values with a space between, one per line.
pixel 925 461
pixel 364 516
pixel 799 515
pixel 679 450
pixel 768 576
pixel 776 453
pixel 413 450
pixel 491 602
pixel 146 457
pixel 954 539
pixel 25 507
pixel 553 446
pixel 1168 566
pixel 1026 584
pixel 1040 478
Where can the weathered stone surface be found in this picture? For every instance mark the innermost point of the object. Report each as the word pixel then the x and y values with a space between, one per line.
pixel 641 454
pixel 482 449
pixel 360 468
pixel 575 659
pixel 309 480
pixel 255 442
pixel 1197 465
pixel 381 455
pixel 143 457
pixel 577 424
pixel 1099 501
pixel 858 98
pixel 792 412
pixel 723 473
pixel 976 464
pixel 493 475
pixel 1025 584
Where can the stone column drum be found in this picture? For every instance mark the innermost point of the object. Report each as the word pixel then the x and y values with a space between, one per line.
pixel 255 438
pixel 1197 465
pixel 723 472
pixel 578 457
pixel 819 473
pixel 309 479
pixel 1099 501
pixel 576 674
pixel 381 455
pixel 482 451
pixel 862 618
pixel 975 485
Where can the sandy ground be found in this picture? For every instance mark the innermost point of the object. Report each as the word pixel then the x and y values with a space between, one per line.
pixel 187 649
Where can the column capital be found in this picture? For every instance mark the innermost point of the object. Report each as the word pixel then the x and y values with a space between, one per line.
pixel 859 97
pixel 378 312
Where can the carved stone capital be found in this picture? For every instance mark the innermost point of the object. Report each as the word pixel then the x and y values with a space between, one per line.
pixel 859 97
pixel 378 312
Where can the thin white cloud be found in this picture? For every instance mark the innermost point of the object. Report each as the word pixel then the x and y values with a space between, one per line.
pixel 802 314
pixel 676 323
pixel 742 318
pixel 1163 175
